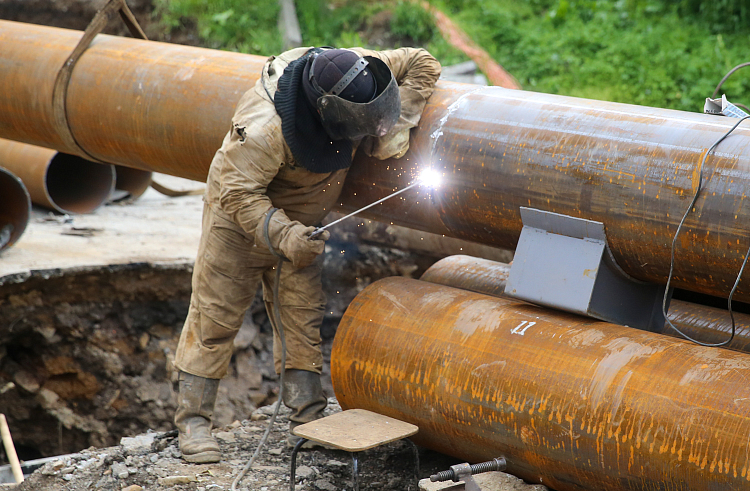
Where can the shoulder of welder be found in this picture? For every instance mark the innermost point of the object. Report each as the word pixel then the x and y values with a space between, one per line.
pixel 407 63
pixel 274 69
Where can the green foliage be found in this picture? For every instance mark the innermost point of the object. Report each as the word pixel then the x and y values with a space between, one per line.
pixel 646 52
pixel 719 15
pixel 650 52
pixel 246 26
pixel 413 22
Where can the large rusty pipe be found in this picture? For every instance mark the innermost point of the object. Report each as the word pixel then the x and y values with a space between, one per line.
pixel 706 324
pixel 165 108
pixel 134 182
pixel 153 106
pixel 15 208
pixel 572 403
pixel 62 182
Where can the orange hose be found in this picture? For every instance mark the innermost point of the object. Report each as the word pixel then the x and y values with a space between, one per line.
pixel 457 38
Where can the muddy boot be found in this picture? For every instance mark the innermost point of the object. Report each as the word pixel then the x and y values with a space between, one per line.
pixel 195 407
pixel 303 394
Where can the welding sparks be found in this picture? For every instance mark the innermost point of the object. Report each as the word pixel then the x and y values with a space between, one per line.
pixel 429 178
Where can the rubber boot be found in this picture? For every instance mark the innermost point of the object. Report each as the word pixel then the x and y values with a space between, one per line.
pixel 303 394
pixel 195 407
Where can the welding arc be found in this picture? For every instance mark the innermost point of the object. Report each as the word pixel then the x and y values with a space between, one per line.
pixel 320 230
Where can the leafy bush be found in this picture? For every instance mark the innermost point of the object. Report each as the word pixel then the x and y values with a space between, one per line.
pixel 412 21
pixel 245 26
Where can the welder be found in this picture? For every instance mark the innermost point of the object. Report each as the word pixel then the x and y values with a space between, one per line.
pixel 279 171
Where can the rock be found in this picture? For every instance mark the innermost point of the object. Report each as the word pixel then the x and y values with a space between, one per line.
pixel 134 487
pixel 68 477
pixel 487 481
pixel 247 333
pixel 305 472
pixel 175 480
pixel 325 485
pixel 120 470
pixel 225 436
pixel 137 445
pixel 274 451
pixel 26 381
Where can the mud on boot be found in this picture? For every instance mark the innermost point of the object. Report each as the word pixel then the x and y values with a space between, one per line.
pixel 303 394
pixel 195 406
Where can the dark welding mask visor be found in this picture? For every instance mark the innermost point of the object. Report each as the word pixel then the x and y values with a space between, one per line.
pixel 349 120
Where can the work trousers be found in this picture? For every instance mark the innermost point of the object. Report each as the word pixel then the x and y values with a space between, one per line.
pixel 227 272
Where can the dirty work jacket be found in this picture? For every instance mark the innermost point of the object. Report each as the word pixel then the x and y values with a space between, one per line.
pixel 252 171
pixel 255 170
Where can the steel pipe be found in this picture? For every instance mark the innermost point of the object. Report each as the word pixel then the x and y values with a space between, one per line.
pixel 61 182
pixel 707 324
pixel 572 403
pixel 134 182
pixel 153 106
pixel 15 208
pixel 165 108
pixel 632 168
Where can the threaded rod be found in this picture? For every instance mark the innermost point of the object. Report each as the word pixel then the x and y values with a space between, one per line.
pixel 497 464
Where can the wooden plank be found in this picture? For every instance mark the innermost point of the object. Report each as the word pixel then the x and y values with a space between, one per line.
pixel 355 430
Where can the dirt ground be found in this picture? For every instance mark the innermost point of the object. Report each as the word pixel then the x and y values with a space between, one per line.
pixel 152 461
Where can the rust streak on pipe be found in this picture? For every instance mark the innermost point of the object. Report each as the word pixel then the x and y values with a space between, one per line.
pixel 572 403
pixel 62 182
pixel 15 208
pixel 707 324
pixel 166 108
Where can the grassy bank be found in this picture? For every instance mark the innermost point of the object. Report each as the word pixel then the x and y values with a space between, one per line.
pixel 655 53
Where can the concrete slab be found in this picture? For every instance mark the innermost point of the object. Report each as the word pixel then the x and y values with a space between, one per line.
pixel 153 229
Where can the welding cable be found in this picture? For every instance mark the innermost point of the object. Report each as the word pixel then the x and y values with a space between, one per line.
pixel 729 73
pixel 674 242
pixel 280 331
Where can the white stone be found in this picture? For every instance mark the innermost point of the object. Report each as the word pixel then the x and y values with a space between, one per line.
pixel 305 472
pixel 138 445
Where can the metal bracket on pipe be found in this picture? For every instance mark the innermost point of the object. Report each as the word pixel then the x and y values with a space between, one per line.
pixel 565 263
pixel 60 89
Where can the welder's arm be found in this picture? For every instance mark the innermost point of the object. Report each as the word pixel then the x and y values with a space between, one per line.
pixel 416 72
pixel 251 161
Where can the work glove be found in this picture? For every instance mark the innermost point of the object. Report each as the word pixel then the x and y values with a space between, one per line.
pixel 290 238
pixel 299 248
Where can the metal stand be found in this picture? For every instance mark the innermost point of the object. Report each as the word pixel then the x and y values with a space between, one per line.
pixel 355 464
pixel 353 431
pixel 564 262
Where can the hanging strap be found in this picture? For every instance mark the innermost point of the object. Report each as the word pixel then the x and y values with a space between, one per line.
pixel 60 89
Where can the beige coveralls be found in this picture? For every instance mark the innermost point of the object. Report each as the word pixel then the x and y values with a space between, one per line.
pixel 253 171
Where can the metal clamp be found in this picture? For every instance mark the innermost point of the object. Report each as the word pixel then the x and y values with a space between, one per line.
pixel 565 263
pixel 463 472
pixel 60 89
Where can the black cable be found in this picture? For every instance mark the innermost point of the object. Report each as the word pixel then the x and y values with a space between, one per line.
pixel 674 242
pixel 280 330
pixel 741 65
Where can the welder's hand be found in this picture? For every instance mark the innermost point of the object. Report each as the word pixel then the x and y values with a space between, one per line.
pixel 299 248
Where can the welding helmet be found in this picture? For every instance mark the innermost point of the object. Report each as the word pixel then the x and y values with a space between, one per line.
pixel 355 96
